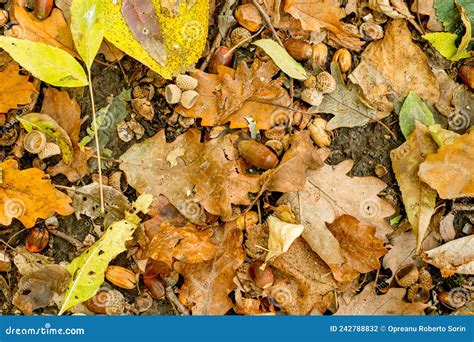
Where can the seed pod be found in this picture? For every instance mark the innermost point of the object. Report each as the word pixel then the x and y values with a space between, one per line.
pixel 425 279
pixel 222 56
pixel 49 150
pixel 298 49
pixel 407 276
pixel 418 294
pixel 319 135
pixel 43 8
pixel 276 146
pixel 36 240
pixel 189 98
pixel 121 277
pixel 250 218
pixel 172 93
pixel 261 274
pixel 466 73
pixel 186 82
pixel 344 59
pixel 371 31
pixel 155 287
pixel 257 154
pixel 248 16
pixel 312 96
pixel 240 34
pixel 319 54
pixel 325 83
pixel 34 142
pixel 51 222
pixel 3 18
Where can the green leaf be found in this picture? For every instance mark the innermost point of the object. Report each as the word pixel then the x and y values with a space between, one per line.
pixel 48 63
pixel 445 44
pixel 414 109
pixel 88 269
pixel 448 14
pixel 442 136
pixel 394 221
pixel 282 58
pixel 87 27
pixel 466 39
pixel 52 130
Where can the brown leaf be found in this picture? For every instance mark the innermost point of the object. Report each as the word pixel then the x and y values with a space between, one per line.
pixel 26 195
pixel 187 244
pixel 233 95
pixel 369 303
pixel 450 170
pixel 360 248
pixel 419 199
pixel 207 285
pixel 15 89
pixel 52 30
pixel 427 7
pixel 395 65
pixel 67 113
pixel 190 174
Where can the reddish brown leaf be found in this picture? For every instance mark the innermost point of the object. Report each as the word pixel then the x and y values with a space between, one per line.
pixel 15 89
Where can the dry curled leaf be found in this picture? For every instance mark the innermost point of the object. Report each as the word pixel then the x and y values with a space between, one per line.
pixel 450 170
pixel 205 176
pixel 232 95
pixel 207 285
pixel 418 198
pixel 282 234
pixel 26 195
pixel 15 89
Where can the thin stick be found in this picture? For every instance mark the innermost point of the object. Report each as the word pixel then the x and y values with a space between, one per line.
pixel 73 241
pixel 175 302
pixel 215 44
pixel 97 144
pixel 243 41
pixel 268 21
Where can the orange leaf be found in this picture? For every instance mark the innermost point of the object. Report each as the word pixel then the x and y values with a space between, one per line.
pixel 27 196
pixel 14 88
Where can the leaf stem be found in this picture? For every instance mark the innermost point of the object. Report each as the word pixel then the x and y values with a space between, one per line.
pixel 97 144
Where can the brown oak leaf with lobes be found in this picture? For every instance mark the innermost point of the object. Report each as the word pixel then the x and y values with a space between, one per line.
pixel 27 196
pixel 15 89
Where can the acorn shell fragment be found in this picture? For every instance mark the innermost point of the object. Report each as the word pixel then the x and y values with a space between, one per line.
pixel 172 93
pixel 34 142
pixel 186 82
pixel 325 83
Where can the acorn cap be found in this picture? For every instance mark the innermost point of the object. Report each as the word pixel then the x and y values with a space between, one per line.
pixel 186 82
pixel 49 150
pixel 325 83
pixel 407 276
pixel 172 93
pixel 34 142
pixel 312 96
pixel 189 98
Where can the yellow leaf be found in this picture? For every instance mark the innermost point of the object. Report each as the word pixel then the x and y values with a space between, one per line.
pixel 184 35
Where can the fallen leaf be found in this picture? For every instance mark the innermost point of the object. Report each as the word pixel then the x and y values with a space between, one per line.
pixel 344 103
pixel 207 285
pixel 383 71
pixel 206 177
pixel 317 14
pixel 445 44
pixel 15 89
pixel 455 256
pixel 37 289
pixel 187 244
pixel 413 110
pixel 282 234
pixel 442 136
pixel 450 170
pixel 427 7
pixel 27 262
pixel 418 198
pixel 233 95
pixel 87 270
pixel 359 248
pixel 162 212
pixel 447 88
pixel 26 195
pixel 391 8
pixel 449 15
pixel 52 31
pixel 369 303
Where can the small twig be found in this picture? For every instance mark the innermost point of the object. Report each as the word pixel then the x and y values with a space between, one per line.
pixel 105 64
pixel 175 302
pixel 268 21
pixel 215 44
pixel 73 241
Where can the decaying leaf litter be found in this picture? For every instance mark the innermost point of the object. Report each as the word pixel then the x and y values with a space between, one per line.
pixel 253 157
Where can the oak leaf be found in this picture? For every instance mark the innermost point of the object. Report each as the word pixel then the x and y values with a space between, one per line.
pixel 15 89
pixel 232 95
pixel 207 285
pixel 26 195
pixel 369 303
pixel 418 198
pixel 450 170
pixel 192 175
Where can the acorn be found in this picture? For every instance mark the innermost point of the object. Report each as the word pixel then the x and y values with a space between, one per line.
pixel 121 277
pixel 261 274
pixel 407 276
pixel 37 240
pixel 43 8
pixel 319 54
pixel 298 49
pixel 276 146
pixel 186 82
pixel 454 299
pixel 34 142
pixel 466 73
pixel 418 294
pixel 257 154
pixel 155 287
pixel 106 302
pixel 425 279
pixel 319 135
pixel 98 302
pixel 248 16
pixel 312 96
pixel 325 83
pixel 189 98
pixel 344 59
pixel 222 56
pixel 240 34
pixel 173 93
pixel 49 150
